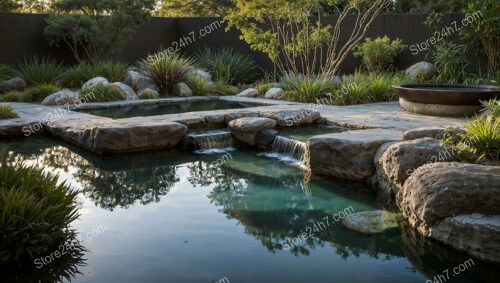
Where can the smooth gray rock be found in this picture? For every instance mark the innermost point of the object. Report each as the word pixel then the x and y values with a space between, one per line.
pixel 424 69
pixel 131 79
pixel 94 82
pixel 240 114
pixel 251 92
pixel 371 222
pixel 12 84
pixel 348 155
pixel 183 90
pixel 246 129
pixel 274 93
pixel 475 234
pixel 126 91
pixel 144 82
pixel 289 118
pixel 445 189
pixel 426 132
pixel 203 74
pixel 62 97
pixel 401 159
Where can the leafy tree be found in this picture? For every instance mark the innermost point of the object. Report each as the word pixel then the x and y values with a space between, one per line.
pixel 94 28
pixel 193 8
pixel 483 17
pixel 426 6
pixel 9 5
pixel 297 42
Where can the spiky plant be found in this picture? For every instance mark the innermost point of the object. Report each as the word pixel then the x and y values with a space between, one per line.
pixel 166 70
pixel 38 71
pixel 227 65
pixel 7 112
pixel 36 212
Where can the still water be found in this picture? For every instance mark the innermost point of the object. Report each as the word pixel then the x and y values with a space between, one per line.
pixel 177 216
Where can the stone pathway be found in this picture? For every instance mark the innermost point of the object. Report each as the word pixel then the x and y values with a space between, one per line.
pixel 385 115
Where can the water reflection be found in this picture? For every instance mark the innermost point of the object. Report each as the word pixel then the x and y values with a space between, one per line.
pixel 272 202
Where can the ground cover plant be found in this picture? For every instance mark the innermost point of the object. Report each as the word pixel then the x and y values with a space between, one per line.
pixel 36 212
pixel 7 112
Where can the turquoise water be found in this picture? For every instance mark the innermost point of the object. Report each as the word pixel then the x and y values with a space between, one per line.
pixel 174 216
pixel 170 108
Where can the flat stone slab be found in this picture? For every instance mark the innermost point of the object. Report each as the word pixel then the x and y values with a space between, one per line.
pixel 105 137
pixel 348 155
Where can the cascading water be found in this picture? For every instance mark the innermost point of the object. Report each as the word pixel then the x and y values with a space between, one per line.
pixel 211 141
pixel 289 150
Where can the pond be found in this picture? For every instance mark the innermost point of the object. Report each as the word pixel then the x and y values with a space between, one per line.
pixel 177 216
pixel 167 108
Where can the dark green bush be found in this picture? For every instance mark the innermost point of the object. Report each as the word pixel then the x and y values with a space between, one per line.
pixel 227 65
pixel 37 71
pixel 36 212
pixel 451 60
pixel 379 54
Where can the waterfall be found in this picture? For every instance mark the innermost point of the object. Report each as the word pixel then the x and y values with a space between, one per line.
pixel 289 148
pixel 290 151
pixel 211 141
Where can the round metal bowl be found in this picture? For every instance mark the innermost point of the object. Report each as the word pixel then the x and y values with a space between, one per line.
pixel 447 94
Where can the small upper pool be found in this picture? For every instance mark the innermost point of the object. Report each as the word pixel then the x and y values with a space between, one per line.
pixel 168 108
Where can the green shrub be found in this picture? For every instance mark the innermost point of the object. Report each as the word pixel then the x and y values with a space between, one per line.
pixel 166 70
pixel 6 73
pixel 148 94
pixel 379 54
pixel 481 142
pixel 102 93
pixel 222 88
pixel 451 60
pixel 368 88
pixel 38 71
pixel 7 112
pixel 113 71
pixel 76 76
pixel 12 96
pixel 36 212
pixel 227 65
pixel 306 88
pixel 200 85
pixel 39 92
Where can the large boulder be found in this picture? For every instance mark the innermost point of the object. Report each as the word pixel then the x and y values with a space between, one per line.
pixel 371 222
pixel 144 82
pixel 246 129
pixel 424 69
pixel 94 82
pixel 12 84
pixel 106 136
pixel 62 97
pixel 475 234
pixel 288 118
pixel 400 160
pixel 203 74
pixel 348 155
pixel 131 79
pixel 446 189
pixel 274 93
pixel 126 91
pixel 250 92
pixel 183 90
